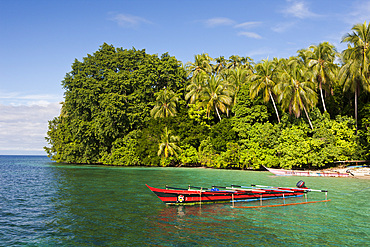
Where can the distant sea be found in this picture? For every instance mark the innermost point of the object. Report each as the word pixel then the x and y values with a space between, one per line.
pixel 43 203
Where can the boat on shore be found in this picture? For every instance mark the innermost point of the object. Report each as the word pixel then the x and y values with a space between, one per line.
pixel 219 194
pixel 283 172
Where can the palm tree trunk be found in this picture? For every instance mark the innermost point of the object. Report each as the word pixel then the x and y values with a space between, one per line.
pixel 322 97
pixel 309 120
pixel 218 114
pixel 273 102
pixel 166 151
pixel 356 95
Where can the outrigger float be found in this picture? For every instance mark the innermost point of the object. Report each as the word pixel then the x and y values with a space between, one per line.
pixel 232 194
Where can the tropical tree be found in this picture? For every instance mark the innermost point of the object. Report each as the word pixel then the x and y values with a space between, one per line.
pixel 354 74
pixel 216 96
pixel 303 55
pixel 201 65
pixel 165 104
pixel 321 61
pixel 236 78
pixel 168 144
pixel 195 87
pixel 220 64
pixel 264 80
pixel 296 89
pixel 248 64
pixel 280 64
pixel 108 94
pixel 235 61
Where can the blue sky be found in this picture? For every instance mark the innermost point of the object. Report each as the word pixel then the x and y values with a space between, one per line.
pixel 39 41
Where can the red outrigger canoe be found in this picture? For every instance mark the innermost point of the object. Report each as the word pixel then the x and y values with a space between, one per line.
pixel 218 194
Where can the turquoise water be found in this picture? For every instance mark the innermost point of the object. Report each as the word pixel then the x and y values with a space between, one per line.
pixel 48 204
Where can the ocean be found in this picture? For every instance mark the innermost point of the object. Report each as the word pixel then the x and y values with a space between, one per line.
pixel 43 203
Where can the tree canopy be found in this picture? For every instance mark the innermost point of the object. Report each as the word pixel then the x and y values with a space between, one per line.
pixel 108 95
pixel 127 107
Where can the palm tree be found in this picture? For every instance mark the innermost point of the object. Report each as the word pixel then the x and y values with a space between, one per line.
pixel 296 90
pixel 220 65
pixel 167 146
pixel 264 79
pixel 216 95
pixel 248 64
pixel 321 61
pixel 235 61
pixel 354 74
pixel 304 55
pixel 350 78
pixel 236 78
pixel 201 65
pixel 195 87
pixel 165 104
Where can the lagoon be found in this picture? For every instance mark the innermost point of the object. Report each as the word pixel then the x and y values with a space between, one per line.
pixel 43 203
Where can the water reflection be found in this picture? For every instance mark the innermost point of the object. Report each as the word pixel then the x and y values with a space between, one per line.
pixel 103 206
pixel 207 224
pixel 44 204
pixel 89 206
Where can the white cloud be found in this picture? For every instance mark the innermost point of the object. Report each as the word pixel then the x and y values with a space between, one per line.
pixel 246 26
pixel 17 98
pixel 359 14
pixel 23 128
pixel 282 27
pixel 299 9
pixel 223 21
pixel 219 21
pixel 129 21
pixel 250 35
pixel 265 51
pixel 249 24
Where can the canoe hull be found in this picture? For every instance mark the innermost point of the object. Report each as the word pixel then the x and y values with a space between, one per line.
pixel 189 197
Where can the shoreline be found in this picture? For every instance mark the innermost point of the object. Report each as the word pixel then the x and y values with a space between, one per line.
pixel 357 173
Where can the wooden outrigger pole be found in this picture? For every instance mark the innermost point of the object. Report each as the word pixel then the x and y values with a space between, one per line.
pixel 284 204
pixel 280 205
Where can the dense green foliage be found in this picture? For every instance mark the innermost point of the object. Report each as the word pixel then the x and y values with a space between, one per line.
pixel 108 95
pixel 126 107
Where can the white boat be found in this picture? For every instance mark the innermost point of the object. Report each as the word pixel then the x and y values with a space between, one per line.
pixel 283 172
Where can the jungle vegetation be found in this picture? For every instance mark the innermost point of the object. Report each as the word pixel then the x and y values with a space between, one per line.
pixel 129 108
